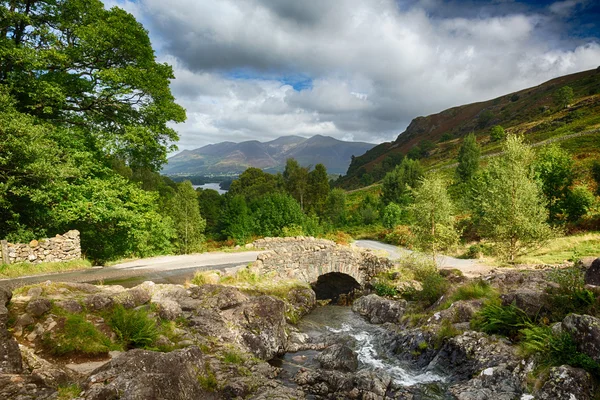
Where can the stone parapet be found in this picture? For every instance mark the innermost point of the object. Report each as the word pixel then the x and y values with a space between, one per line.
pixel 59 248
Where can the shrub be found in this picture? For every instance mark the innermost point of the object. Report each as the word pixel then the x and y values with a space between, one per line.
pixel 385 289
pixel 134 328
pixel 496 318
pixel 473 290
pixel 497 133
pixel 577 203
pixel 434 285
pixel 77 336
pixel 401 235
pixel 570 295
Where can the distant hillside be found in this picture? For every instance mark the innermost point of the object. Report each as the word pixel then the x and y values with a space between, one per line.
pixel 234 158
pixel 531 112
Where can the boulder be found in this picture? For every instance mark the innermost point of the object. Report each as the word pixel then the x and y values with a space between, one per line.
pixel 494 383
pixel 24 387
pixel 142 374
pixel 10 356
pixel 415 345
pixel 133 297
pixel 592 274
pixel 70 306
pixel 566 382
pixel 338 357
pixel 364 384
pixel 302 300
pixel 585 331
pixel 465 355
pixel 5 296
pixel 98 302
pixel 379 310
pixel 533 302
pixel 262 320
pixel 38 307
pixel 217 296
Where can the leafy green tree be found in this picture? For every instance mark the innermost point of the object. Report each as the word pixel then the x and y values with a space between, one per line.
pixel 578 202
pixel 468 159
pixel 295 178
pixel 509 205
pixel 236 222
pixel 254 183
pixel 211 206
pixel 433 216
pixel 273 212
pixel 554 167
pixel 189 224
pixel 497 133
pixel 318 189
pixel 95 70
pixel 397 183
pixel 484 118
pixel 392 215
pixel 563 97
pixel 368 210
pixel 335 207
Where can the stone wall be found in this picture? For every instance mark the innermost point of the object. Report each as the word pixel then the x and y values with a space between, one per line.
pixel 59 248
pixel 307 258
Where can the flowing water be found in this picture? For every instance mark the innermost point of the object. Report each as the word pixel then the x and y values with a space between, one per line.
pixel 372 344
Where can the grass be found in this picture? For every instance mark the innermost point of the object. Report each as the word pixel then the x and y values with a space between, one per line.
pixel 25 268
pixel 233 357
pixel 496 318
pixel 565 248
pixel 68 392
pixel 78 335
pixel 134 328
pixel 207 379
pixel 471 291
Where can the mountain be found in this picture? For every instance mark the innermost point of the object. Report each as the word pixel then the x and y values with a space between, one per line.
pixel 531 112
pixel 233 158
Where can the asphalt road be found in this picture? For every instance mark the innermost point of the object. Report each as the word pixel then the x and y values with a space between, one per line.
pixel 163 269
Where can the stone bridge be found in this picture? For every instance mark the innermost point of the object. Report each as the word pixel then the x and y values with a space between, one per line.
pixel 327 266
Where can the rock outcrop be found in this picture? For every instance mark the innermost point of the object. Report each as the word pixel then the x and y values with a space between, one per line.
pixel 379 310
pixel 585 331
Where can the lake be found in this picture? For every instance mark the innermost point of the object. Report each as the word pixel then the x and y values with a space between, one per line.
pixel 213 186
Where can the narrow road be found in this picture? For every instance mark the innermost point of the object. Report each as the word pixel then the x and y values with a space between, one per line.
pixel 470 268
pixel 163 269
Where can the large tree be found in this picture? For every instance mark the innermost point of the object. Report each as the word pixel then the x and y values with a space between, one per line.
pixel 76 64
pixel 318 189
pixel 509 206
pixel 295 178
pixel 189 224
pixel 554 167
pixel 397 183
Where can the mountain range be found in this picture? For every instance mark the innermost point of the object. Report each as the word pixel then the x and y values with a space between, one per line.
pixel 228 158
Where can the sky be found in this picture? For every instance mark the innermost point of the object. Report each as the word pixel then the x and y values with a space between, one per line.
pixel 355 69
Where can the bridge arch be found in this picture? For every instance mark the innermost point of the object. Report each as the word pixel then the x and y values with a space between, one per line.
pixel 334 284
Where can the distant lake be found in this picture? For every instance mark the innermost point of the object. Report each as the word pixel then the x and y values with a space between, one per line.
pixel 213 186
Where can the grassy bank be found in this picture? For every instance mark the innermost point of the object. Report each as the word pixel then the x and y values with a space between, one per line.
pixel 25 269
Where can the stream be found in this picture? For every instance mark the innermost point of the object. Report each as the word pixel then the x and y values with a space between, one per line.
pixel 372 344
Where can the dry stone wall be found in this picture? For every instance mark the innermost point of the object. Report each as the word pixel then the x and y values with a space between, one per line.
pixel 307 258
pixel 59 248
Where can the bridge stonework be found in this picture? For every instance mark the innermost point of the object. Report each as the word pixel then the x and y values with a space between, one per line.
pixel 307 258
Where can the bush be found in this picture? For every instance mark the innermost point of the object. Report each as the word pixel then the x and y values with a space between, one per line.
pixel 384 289
pixel 570 295
pixel 434 285
pixel 577 203
pixel 392 215
pixel 134 328
pixel 497 133
pixel 496 318
pixel 401 235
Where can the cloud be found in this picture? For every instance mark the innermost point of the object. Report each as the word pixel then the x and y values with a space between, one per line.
pixel 365 68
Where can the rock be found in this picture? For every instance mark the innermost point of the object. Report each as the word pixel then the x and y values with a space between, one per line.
pixel 566 382
pixel 459 312
pixel 25 320
pixel 70 306
pixel 585 331
pixel 133 297
pixel 10 356
pixel 51 375
pixel 169 309
pixel 217 296
pixel 5 296
pixel 38 307
pixel 379 310
pixel 592 274
pixel 533 302
pixel 364 384
pixel 494 383
pixel 302 300
pixel 263 321
pixel 338 357
pixel 98 302
pixel 464 355
pixel 24 387
pixel 142 374
pixel 585 262
pixel 34 292
pixel 414 345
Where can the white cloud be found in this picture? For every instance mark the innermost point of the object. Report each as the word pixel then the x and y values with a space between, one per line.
pixel 374 66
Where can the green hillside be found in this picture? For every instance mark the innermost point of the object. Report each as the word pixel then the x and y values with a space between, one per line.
pixel 532 112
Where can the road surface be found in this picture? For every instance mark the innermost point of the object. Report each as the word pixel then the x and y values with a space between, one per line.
pixel 163 269
pixel 469 268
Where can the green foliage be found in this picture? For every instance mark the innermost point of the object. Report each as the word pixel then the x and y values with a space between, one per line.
pixel 563 97
pixel 555 349
pixel 295 178
pixel 485 118
pixel 254 183
pixel 68 392
pixel 335 207
pixel 508 204
pixel 496 318
pixel 385 289
pixel 207 379
pixel 445 332
pixel 273 212
pixel 77 335
pixel 468 159
pixel 446 137
pixel 433 284
pixel 554 167
pixel 233 357
pixel 497 133
pixel 578 202
pixel 318 190
pixel 396 184
pixel 432 216
pixel 595 172
pixel 211 206
pixel 189 224
pixel 570 296
pixel 393 214
pixel 367 210
pixel 134 328
pixel 236 221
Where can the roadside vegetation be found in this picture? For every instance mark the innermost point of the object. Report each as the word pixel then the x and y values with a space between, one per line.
pixel 23 269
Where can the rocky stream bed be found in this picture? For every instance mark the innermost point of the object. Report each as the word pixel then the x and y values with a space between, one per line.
pixel 223 342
